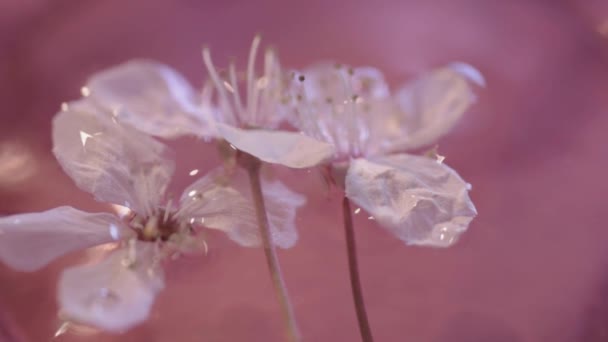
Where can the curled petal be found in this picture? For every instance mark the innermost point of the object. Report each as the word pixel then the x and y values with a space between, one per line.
pixel 151 97
pixel 28 242
pixel 421 201
pixel 115 163
pixel 290 149
pixel 224 202
pixel 430 106
pixel 115 294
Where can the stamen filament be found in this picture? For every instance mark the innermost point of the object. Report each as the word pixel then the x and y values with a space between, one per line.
pixel 223 97
pixel 251 89
pixel 167 210
pixel 350 121
pixel 235 86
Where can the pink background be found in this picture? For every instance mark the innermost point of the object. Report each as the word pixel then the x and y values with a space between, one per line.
pixel 534 264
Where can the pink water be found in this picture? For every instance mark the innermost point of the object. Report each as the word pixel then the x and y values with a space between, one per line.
pixel 534 264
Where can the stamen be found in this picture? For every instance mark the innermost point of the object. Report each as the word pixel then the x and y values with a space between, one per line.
pixel 131 256
pixel 251 91
pixel 218 84
pixel 167 211
pixel 263 93
pixel 228 87
pixel 351 121
pixel 151 229
pixel 235 87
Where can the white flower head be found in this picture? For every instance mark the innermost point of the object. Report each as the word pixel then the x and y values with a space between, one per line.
pixel 121 166
pixel 245 110
pixel 421 200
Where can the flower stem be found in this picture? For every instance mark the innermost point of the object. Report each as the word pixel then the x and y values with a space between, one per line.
pixel 253 169
pixel 355 282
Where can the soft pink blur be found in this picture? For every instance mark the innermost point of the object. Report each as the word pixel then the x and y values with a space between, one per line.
pixel 533 266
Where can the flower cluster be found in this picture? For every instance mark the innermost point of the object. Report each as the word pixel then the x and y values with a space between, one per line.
pixel 345 120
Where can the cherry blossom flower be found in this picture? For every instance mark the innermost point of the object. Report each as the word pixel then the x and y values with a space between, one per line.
pixel 158 100
pixel 420 200
pixel 121 166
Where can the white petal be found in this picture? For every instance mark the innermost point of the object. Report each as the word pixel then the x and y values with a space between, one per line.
pixel 114 294
pixel 213 203
pixel 115 163
pixel 341 82
pixel 278 147
pixel 151 97
pixel 30 241
pixel 339 105
pixel 430 106
pixel 421 201
pixel 281 206
pixel 224 202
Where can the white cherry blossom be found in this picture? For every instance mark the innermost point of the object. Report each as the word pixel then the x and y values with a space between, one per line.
pixel 122 166
pixel 245 110
pixel 419 199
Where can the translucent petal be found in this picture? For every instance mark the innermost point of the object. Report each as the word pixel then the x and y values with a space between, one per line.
pixel 151 97
pixel 340 82
pixel 278 147
pixel 338 104
pixel 224 202
pixel 281 205
pixel 213 203
pixel 115 163
pixel 30 241
pixel 115 294
pixel 421 201
pixel 430 106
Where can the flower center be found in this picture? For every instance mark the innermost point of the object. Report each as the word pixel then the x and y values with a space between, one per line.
pixel 160 226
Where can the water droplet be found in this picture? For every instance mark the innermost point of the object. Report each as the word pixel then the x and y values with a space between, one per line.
pixel 233 147
pixel 65 107
pixel 193 172
pixel 63 328
pixel 371 218
pixel 469 186
pixel 114 232
pixel 104 298
pixel 439 158
pixel 192 193
pixel 84 136
pixel 358 210
pixel 85 91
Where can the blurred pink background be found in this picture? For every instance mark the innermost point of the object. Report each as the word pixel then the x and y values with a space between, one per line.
pixel 532 267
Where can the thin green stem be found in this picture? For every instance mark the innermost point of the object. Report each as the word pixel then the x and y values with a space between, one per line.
pixel 253 169
pixel 355 282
